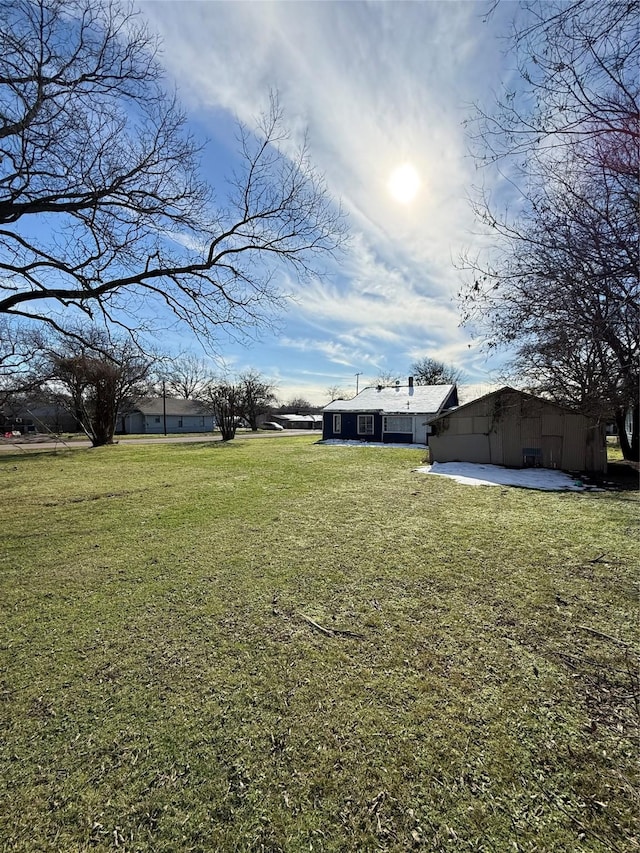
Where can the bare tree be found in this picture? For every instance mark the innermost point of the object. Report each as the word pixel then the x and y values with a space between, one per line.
pixel 187 376
pixel 385 378
pixel 97 379
pixel 560 281
pixel 297 405
pixel 577 64
pixel 102 209
pixel 22 370
pixel 430 371
pixel 335 392
pixel 224 399
pixel 258 396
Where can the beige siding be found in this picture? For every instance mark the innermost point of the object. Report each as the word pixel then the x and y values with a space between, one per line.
pixel 496 448
pixel 552 423
pixel 460 448
pixel 499 428
pixel 552 451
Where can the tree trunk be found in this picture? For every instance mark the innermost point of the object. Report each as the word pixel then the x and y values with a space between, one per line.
pixel 630 446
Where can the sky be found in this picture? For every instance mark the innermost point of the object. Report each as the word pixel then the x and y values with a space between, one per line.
pixel 383 89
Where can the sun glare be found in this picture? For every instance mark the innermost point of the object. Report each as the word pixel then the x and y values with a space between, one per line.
pixel 404 183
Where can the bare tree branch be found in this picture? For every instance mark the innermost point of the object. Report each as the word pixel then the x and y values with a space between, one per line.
pixel 102 210
pixel 560 279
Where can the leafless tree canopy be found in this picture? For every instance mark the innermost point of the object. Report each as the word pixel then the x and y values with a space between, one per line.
pixel 577 62
pixel 22 369
pixel 258 396
pixel 185 377
pixel 430 371
pixel 101 205
pixel 96 376
pixel 560 280
pixel 224 398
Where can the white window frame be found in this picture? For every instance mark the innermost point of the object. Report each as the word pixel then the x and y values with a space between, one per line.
pixel 366 425
pixel 387 418
pixel 337 423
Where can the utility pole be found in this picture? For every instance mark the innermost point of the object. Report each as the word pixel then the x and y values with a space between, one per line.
pixel 358 375
pixel 164 406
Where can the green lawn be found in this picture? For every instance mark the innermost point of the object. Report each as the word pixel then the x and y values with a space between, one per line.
pixel 283 646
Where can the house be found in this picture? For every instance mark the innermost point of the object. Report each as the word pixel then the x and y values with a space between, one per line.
pixel 157 415
pixel 298 421
pixel 518 430
pixel 33 416
pixel 396 413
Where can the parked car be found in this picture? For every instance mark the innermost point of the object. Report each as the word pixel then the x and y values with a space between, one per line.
pixel 271 425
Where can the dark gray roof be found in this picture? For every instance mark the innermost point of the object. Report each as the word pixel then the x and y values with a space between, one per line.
pixel 174 406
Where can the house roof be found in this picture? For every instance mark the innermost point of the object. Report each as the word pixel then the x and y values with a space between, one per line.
pixel 298 418
pixel 174 406
pixel 503 390
pixel 396 399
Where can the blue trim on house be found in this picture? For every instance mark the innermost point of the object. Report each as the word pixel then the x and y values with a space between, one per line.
pixel 349 429
pixel 349 426
pixel 397 437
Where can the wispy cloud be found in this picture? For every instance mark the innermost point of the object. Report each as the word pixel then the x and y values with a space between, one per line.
pixel 376 84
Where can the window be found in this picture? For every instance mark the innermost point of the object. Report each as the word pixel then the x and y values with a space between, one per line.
pixel 179 423
pixel 365 424
pixel 531 457
pixel 202 421
pixel 397 423
pixel 157 420
pixel 337 424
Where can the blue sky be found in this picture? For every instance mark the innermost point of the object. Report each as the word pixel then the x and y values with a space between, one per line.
pixel 377 85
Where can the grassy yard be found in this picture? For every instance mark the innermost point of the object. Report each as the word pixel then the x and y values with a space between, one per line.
pixel 283 646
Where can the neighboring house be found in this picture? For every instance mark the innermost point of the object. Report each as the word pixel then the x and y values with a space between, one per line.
pixel 518 430
pixel 298 421
pixel 397 413
pixel 39 417
pixel 157 415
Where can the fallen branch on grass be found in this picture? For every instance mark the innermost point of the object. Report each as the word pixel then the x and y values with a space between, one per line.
pixel 329 632
pixel 604 636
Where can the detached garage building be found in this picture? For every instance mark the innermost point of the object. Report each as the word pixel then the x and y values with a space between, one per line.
pixel 518 430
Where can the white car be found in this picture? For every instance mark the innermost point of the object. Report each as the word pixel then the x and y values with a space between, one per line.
pixel 271 425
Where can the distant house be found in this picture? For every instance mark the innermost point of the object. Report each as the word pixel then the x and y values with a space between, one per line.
pixel 37 416
pixel 298 421
pixel 518 430
pixel 397 413
pixel 157 415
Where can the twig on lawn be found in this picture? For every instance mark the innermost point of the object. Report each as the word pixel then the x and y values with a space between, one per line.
pixel 329 632
pixel 603 635
pixel 599 559
pixel 554 801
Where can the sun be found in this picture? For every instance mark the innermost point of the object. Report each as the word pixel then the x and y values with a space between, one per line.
pixel 404 183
